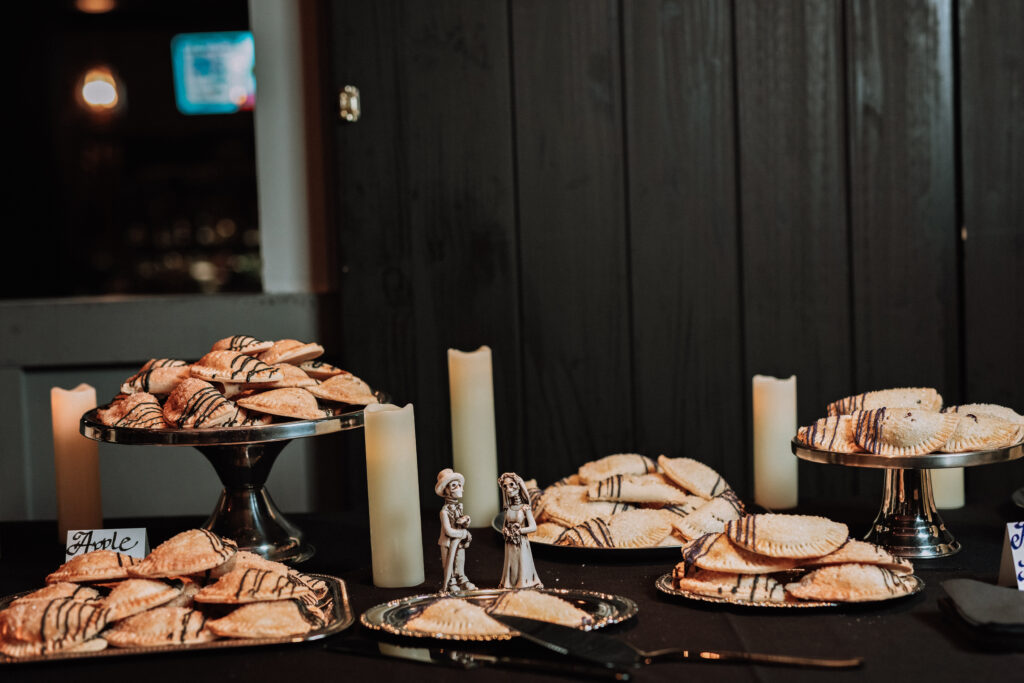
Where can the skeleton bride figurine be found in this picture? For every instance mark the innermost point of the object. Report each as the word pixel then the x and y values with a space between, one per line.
pixel 518 521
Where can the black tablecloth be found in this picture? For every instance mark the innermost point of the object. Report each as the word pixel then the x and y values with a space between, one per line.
pixel 908 639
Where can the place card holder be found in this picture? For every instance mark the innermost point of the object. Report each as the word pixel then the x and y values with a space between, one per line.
pixel 1011 567
pixel 131 542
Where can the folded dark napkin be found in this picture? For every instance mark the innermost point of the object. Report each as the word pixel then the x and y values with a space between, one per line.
pixel 994 615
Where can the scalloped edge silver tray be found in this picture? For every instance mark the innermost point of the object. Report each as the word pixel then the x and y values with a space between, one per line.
pixel 391 617
pixel 666 584
pixel 343 618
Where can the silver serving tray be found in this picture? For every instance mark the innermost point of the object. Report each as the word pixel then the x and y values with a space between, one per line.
pixel 652 552
pixel 392 617
pixel 666 584
pixel 928 461
pixel 341 617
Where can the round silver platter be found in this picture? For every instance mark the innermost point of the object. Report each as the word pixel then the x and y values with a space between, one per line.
pixel 242 458
pixel 666 584
pixel 652 552
pixel 908 523
pixel 605 609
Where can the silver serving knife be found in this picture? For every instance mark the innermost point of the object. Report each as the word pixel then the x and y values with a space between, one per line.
pixel 461 659
pixel 618 654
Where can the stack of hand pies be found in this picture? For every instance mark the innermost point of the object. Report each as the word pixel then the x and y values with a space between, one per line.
pixel 911 421
pixel 627 500
pixel 242 381
pixel 194 588
pixel 759 558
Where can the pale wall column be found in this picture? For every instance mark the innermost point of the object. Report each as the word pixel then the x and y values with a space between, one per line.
pixel 289 166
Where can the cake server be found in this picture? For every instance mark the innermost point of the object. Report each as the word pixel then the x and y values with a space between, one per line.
pixel 618 654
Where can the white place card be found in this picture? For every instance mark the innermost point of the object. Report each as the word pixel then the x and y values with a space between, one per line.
pixel 1011 567
pixel 133 542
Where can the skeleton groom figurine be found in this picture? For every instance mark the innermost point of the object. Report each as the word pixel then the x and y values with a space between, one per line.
pixel 455 536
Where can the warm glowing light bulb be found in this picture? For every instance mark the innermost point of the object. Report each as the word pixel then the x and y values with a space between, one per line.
pixel 99 89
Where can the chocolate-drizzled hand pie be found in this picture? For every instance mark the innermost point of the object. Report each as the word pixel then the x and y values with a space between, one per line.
pixel 63 589
pixel 850 583
pixel 139 411
pixel 157 376
pixel 619 463
pixel 693 476
pixel 570 505
pixel 833 434
pixel 711 517
pixel 291 351
pixel 294 402
pixel 256 585
pixel 345 388
pixel 862 552
pixel 291 376
pixel 242 343
pixel 900 431
pixel 917 398
pixel 794 536
pixel 268 620
pixel 34 627
pixel 733 587
pixel 98 565
pixel 196 404
pixel 717 553
pixel 642 488
pixel 231 367
pixel 138 595
pixel 318 369
pixel 161 626
pixel 190 552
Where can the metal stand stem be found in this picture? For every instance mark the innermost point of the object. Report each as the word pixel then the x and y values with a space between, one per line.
pixel 908 524
pixel 245 512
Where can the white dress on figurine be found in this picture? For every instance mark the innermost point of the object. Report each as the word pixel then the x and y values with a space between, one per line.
pixel 519 571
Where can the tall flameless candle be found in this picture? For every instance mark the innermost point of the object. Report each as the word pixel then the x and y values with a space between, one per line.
pixel 948 487
pixel 396 541
pixel 775 466
pixel 474 444
pixel 76 462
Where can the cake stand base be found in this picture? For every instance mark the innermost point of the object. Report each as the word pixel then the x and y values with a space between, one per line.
pixel 908 523
pixel 245 512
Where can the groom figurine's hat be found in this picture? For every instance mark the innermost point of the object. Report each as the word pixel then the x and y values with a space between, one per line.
pixel 445 477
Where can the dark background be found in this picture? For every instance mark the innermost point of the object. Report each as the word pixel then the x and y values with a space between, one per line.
pixel 123 203
pixel 641 204
pixel 638 204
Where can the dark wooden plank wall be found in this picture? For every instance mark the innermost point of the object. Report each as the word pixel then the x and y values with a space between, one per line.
pixel 683 228
pixel 640 204
pixel 992 178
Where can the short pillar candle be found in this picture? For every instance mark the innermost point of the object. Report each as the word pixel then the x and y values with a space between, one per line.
pixel 392 489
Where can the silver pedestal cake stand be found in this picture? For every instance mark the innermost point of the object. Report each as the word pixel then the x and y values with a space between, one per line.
pixel 242 457
pixel 908 524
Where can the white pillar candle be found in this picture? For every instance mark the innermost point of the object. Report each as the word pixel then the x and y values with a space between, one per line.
pixel 76 462
pixel 948 488
pixel 775 466
pixel 396 539
pixel 474 443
